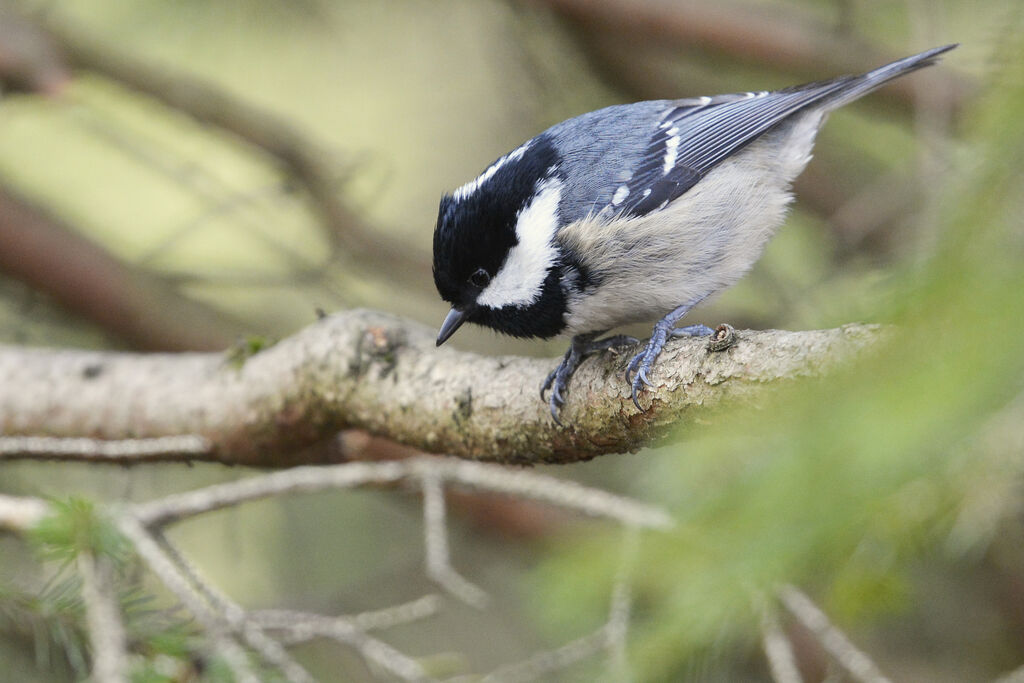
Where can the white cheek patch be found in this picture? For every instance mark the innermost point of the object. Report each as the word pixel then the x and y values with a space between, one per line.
pixel 521 278
pixel 474 185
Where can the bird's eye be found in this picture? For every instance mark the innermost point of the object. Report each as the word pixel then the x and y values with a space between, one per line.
pixel 481 278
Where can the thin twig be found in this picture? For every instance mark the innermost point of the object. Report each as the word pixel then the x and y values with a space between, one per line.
pixel 611 636
pixel 170 575
pixel 405 613
pixel 546 662
pixel 836 644
pixel 621 606
pixel 520 483
pixel 300 627
pixel 129 451
pixel 373 620
pixel 103 618
pixel 435 535
pixel 213 596
pixel 778 649
pixel 220 617
pixel 236 617
pixel 19 513
pixel 297 480
pixel 563 493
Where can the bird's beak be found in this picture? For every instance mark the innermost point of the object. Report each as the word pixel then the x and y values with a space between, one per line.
pixel 452 322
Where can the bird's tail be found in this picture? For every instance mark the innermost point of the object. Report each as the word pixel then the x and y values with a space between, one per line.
pixel 858 86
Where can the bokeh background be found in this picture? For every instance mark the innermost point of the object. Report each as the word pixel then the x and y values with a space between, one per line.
pixel 192 175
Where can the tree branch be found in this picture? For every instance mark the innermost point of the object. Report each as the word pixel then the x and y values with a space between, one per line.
pixel 754 34
pixel 19 514
pixel 214 106
pixel 231 631
pixel 860 667
pixel 376 372
pixel 44 253
pixel 103 617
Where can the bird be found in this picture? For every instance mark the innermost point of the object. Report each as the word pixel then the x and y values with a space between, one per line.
pixel 628 214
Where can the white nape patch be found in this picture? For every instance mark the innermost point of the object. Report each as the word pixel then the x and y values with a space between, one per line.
pixel 647 193
pixel 474 185
pixel 671 152
pixel 621 193
pixel 521 277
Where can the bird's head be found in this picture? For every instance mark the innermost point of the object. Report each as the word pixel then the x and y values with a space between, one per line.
pixel 495 257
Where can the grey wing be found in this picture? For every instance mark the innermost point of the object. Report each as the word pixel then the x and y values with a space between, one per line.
pixel 698 133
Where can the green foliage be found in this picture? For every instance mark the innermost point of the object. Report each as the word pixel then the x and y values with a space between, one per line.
pixel 74 527
pixel 50 619
pixel 53 615
pixel 842 484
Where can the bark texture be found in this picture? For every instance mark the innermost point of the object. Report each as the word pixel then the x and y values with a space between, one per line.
pixel 373 371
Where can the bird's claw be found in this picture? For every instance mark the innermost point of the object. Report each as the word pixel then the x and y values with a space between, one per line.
pixel 562 375
pixel 546 384
pixel 556 394
pixel 640 364
pixel 558 380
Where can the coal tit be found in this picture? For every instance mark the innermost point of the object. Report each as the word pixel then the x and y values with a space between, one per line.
pixel 628 214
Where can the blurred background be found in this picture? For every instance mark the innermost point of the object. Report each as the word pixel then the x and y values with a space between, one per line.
pixel 185 175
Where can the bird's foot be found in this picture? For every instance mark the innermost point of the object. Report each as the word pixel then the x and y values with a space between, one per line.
pixel 581 347
pixel 643 361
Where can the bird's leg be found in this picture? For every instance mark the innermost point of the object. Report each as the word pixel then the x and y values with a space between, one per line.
pixel 581 346
pixel 663 329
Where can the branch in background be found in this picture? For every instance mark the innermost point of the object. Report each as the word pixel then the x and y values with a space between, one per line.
pixel 778 650
pixel 479 476
pixel 305 626
pixel 368 370
pixel 758 35
pixel 300 627
pixel 21 514
pixel 103 617
pixel 856 663
pixel 435 541
pixel 39 250
pixel 232 629
pixel 161 448
pixel 170 575
pixel 29 59
pixel 510 517
pixel 234 617
pixel 274 135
